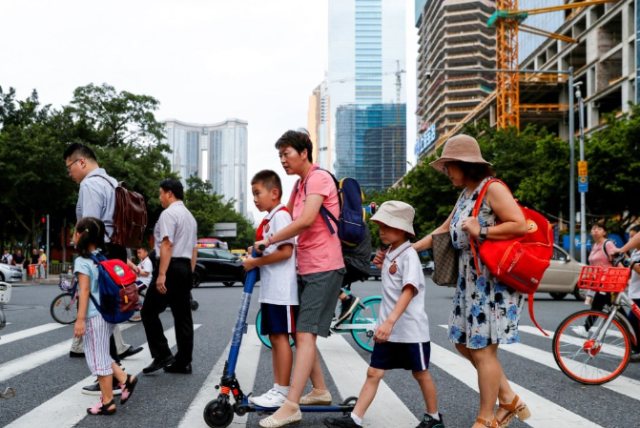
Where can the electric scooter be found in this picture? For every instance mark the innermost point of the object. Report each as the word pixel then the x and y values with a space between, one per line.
pixel 5 296
pixel 219 412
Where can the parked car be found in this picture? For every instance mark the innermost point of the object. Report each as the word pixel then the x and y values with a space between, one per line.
pixel 212 243
pixel 10 273
pixel 561 278
pixel 218 265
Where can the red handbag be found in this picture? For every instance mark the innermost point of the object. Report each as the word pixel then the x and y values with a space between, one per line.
pixel 519 263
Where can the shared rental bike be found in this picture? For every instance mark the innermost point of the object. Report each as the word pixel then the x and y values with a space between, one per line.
pixel 593 347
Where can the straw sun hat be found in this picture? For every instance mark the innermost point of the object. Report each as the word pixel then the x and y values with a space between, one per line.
pixel 461 148
pixel 396 214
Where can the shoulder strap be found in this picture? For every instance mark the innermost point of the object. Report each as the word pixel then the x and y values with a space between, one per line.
pixel 324 212
pixel 104 178
pixel 604 248
pixel 474 213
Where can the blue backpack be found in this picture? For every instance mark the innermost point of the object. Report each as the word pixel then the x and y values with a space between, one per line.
pixel 118 290
pixel 352 228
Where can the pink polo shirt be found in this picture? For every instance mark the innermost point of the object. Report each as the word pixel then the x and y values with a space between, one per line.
pixel 318 250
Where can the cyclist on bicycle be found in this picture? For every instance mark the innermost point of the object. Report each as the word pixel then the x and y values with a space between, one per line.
pixel 602 251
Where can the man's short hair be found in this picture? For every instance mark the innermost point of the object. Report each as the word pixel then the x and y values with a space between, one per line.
pixel 269 180
pixel 174 185
pixel 79 150
pixel 298 140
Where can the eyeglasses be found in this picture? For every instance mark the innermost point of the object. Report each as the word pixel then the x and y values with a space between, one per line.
pixel 71 164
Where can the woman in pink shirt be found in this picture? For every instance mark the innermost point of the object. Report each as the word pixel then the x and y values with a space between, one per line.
pixel 602 251
pixel 320 270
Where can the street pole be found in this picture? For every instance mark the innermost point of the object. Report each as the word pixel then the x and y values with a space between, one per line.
pixel 64 245
pixel 48 259
pixel 572 172
pixel 583 191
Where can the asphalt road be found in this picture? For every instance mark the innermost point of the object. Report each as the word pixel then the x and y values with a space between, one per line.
pixel 48 392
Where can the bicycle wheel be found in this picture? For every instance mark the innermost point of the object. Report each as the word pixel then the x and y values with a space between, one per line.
pixel 64 309
pixel 366 315
pixel 264 338
pixel 586 360
pixel 137 317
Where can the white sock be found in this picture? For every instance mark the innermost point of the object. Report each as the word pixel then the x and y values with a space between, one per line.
pixel 435 416
pixel 284 390
pixel 356 419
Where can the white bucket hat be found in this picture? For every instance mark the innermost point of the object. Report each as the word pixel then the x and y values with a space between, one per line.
pixel 396 214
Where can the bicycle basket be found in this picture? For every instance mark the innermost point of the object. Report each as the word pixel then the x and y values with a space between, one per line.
pixel 67 282
pixel 612 279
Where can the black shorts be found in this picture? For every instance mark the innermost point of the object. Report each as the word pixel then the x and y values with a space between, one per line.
pixel 278 319
pixel 407 356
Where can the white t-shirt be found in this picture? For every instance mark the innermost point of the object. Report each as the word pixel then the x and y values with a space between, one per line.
pixel 278 281
pixel 146 266
pixel 634 283
pixel 402 267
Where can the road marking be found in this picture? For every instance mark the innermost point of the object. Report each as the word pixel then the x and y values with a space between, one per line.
pixel 29 362
pixel 69 407
pixel 23 334
pixel 247 368
pixel 622 385
pixel 349 371
pixel 578 341
pixel 544 413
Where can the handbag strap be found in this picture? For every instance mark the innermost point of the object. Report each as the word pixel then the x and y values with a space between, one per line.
pixel 474 213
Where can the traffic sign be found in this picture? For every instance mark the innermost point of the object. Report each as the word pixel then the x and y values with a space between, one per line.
pixel 583 184
pixel 582 168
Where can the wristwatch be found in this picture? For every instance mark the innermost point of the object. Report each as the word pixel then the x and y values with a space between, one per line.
pixel 483 232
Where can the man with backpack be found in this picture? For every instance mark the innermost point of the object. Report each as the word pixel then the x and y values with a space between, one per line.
pixel 96 198
pixel 176 239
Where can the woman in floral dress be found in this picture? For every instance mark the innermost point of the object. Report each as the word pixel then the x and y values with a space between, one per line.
pixel 485 312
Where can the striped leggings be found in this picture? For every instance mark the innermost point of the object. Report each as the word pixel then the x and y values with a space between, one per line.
pixel 96 345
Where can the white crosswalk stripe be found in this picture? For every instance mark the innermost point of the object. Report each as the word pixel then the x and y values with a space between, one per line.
pixel 68 408
pixel 24 364
pixel 19 335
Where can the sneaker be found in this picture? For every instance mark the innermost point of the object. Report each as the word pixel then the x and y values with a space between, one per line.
pixel 348 305
pixel 429 422
pixel 343 422
pixel 271 398
pixel 94 389
pixel 581 331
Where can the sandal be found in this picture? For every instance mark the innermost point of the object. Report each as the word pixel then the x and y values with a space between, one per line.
pixel 521 412
pixel 487 423
pixel 127 389
pixel 102 408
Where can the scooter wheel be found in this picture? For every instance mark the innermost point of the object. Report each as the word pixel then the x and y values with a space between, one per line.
pixel 218 414
pixel 194 305
pixel 349 401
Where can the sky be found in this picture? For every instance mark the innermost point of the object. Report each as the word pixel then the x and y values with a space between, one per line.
pixel 204 60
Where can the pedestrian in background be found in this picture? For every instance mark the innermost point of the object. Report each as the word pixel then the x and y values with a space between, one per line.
pixel 176 238
pixel 97 198
pixel 634 293
pixel 7 258
pixel 42 264
pixel 485 312
pixel 19 261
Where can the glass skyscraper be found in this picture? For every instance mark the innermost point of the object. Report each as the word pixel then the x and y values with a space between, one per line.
pixel 366 94
pixel 214 152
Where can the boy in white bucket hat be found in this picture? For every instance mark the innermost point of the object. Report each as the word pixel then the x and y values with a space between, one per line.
pixel 402 334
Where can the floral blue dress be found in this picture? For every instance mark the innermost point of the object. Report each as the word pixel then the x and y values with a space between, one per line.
pixel 484 311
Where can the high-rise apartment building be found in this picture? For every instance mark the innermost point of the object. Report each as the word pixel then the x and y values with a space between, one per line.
pixel 319 125
pixel 366 93
pixel 214 152
pixel 453 34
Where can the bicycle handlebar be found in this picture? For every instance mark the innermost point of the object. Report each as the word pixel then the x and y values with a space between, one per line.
pixel 620 258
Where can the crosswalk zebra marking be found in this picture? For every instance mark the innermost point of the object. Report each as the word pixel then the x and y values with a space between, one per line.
pixel 246 370
pixel 349 371
pixel 553 414
pixel 23 334
pixel 68 408
pixel 622 385
pixel 29 362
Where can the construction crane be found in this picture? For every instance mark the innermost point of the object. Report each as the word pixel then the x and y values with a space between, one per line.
pixel 508 21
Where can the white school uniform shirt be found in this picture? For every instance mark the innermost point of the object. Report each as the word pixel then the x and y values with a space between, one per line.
pixel 400 268
pixel 146 266
pixel 634 283
pixel 278 281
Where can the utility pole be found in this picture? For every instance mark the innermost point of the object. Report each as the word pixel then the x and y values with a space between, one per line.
pixel 572 172
pixel 583 184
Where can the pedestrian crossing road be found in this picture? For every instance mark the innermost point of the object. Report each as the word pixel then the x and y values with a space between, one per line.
pixel 34 359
